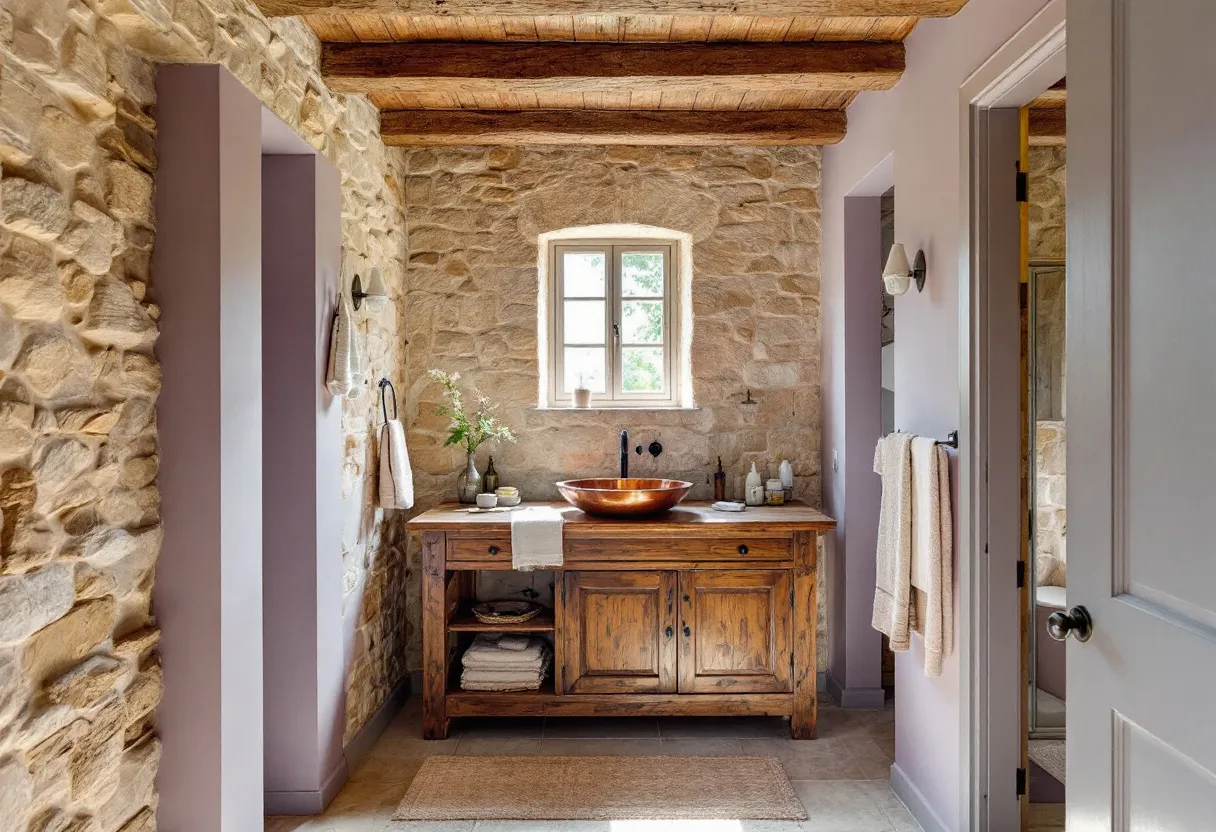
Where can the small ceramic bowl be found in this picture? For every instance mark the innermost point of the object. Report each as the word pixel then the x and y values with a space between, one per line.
pixel 487 500
pixel 509 502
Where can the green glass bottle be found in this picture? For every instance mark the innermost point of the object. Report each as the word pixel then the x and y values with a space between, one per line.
pixel 489 480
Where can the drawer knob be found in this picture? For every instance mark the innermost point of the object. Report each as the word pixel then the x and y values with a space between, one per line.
pixel 494 550
pixel 743 548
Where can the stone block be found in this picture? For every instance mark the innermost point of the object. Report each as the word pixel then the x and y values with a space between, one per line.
pixel 15 795
pixel 54 366
pixel 33 209
pixel 30 602
pixel 69 639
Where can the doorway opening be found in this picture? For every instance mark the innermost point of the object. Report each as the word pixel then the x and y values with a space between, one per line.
pixel 1044 441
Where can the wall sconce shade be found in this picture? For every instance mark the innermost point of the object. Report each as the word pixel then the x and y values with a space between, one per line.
pixel 898 274
pixel 375 294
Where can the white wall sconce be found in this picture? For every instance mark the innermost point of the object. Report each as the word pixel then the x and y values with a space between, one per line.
pixel 376 294
pixel 898 275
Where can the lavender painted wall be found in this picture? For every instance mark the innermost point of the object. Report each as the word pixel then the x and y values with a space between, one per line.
pixel 208 592
pixel 856 669
pixel 302 503
pixel 918 121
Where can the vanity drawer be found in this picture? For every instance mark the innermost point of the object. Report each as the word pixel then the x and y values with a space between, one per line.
pixel 675 549
pixel 480 549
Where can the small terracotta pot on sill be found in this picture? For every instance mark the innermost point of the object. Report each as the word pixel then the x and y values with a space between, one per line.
pixel 582 397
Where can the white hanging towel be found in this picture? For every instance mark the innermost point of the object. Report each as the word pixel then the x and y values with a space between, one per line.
pixel 536 539
pixel 893 587
pixel 345 374
pixel 396 477
pixel 932 552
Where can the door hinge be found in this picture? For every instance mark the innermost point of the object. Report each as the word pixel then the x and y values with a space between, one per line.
pixel 1021 782
pixel 791 599
pixel 1023 185
pixel 1021 574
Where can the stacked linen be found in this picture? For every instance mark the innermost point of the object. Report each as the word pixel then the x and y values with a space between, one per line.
pixel 497 662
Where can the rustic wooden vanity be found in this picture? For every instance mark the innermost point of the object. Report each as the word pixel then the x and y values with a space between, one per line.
pixel 689 613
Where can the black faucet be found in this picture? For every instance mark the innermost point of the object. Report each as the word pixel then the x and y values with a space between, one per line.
pixel 624 454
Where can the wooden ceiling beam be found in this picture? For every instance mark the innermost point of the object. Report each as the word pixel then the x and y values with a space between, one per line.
pixel 764 8
pixel 529 68
pixel 1047 125
pixel 606 127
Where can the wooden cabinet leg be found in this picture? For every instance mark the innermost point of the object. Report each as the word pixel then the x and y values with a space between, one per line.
pixel 435 722
pixel 806 626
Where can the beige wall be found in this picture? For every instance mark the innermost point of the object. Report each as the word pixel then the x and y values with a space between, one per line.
pixel 79 379
pixel 753 213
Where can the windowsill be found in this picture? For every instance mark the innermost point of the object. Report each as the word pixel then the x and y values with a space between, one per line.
pixel 616 408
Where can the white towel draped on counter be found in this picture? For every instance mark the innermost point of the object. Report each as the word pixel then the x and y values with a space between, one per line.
pixel 893 589
pixel 536 539
pixel 396 477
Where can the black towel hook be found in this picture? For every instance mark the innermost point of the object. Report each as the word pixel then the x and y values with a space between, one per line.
pixel 384 398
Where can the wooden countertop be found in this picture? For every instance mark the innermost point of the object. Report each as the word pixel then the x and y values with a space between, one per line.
pixel 693 518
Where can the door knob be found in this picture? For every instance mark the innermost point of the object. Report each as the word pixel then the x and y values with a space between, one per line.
pixel 1076 622
pixel 669 632
pixel 687 632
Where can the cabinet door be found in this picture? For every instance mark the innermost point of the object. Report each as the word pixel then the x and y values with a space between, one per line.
pixel 620 632
pixel 735 632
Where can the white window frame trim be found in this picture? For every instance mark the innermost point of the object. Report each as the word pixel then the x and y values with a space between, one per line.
pixel 673 346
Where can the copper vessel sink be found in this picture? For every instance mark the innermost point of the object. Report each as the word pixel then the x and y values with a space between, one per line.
pixel 623 497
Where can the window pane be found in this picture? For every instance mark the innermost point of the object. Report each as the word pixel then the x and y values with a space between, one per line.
pixel 583 274
pixel 643 370
pixel 641 322
pixel 584 322
pixel 642 274
pixel 586 365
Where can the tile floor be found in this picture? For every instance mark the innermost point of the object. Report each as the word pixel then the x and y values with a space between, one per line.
pixel 841 777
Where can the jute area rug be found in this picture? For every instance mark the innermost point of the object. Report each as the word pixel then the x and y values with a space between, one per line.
pixel 600 788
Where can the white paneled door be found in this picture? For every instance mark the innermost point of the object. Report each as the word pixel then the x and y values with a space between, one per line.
pixel 1141 406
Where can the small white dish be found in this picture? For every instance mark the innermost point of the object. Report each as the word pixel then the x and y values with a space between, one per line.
pixel 487 500
pixel 509 502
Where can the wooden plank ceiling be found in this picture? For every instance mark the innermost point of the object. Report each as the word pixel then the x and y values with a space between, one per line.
pixel 627 72
pixel 1046 116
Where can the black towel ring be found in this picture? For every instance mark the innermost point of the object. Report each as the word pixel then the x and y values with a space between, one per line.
pixel 384 398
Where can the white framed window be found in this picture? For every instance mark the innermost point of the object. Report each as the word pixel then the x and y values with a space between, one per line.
pixel 614 322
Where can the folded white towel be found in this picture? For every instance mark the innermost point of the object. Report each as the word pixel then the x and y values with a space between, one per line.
pixel 485 653
pixel 396 477
pixel 513 643
pixel 344 376
pixel 893 590
pixel 536 539
pixel 476 675
pixel 501 686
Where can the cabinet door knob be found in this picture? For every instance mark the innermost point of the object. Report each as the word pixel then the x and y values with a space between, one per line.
pixel 687 599
pixel 669 632
pixel 687 631
pixel 743 548
pixel 494 550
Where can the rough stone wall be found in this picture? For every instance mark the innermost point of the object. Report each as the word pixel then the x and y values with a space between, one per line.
pixel 1051 517
pixel 79 674
pixel 753 213
pixel 1048 191
pixel 1047 186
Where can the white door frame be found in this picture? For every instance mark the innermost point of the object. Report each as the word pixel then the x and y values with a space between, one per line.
pixel 989 509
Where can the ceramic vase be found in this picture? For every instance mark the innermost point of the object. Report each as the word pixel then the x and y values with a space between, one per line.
pixel 468 483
